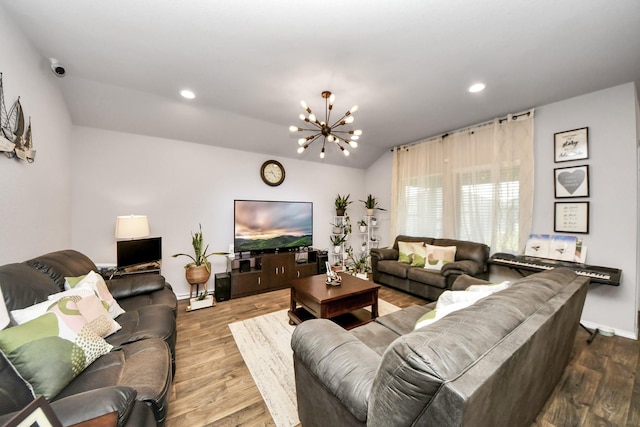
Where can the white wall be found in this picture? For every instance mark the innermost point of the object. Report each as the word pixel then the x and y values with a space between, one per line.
pixel 179 185
pixel 34 198
pixel 613 230
pixel 378 183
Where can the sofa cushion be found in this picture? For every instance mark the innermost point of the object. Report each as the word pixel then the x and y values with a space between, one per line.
pixel 376 336
pixel 61 264
pixel 22 286
pixel 419 255
pixel 438 256
pixel 427 277
pixel 154 321
pixel 394 268
pixel 90 307
pixel 64 336
pixel 405 252
pixel 144 366
pixel 93 284
pixel 402 321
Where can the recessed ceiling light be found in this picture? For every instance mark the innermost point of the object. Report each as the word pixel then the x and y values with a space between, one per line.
pixel 477 87
pixel 187 94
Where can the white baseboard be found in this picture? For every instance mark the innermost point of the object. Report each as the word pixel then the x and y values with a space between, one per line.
pixel 618 332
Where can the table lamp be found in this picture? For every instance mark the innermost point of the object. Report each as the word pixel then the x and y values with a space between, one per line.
pixel 132 226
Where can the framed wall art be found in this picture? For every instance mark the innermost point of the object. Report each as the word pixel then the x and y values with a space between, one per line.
pixel 38 413
pixel 571 217
pixel 571 181
pixel 571 145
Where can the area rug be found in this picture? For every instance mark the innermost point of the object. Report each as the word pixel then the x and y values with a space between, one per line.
pixel 265 345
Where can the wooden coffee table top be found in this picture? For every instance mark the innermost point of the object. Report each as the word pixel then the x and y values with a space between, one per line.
pixel 315 287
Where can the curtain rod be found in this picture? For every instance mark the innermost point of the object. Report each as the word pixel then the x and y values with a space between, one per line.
pixel 444 135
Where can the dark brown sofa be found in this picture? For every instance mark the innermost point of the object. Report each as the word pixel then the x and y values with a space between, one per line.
pixel 471 259
pixel 133 379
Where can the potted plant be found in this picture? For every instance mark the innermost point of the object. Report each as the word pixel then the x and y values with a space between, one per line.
pixel 337 228
pixel 374 220
pixel 341 204
pixel 198 271
pixel 363 225
pixel 370 204
pixel 337 240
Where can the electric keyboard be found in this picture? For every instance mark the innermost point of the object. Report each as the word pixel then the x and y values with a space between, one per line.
pixel 604 275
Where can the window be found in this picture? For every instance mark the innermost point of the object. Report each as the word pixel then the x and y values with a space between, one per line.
pixel 475 185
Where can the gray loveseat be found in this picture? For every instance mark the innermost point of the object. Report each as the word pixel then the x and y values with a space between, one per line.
pixel 134 378
pixel 494 363
pixel 471 259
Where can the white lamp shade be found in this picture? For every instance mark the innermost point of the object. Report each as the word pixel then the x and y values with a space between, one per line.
pixel 132 226
pixel 4 314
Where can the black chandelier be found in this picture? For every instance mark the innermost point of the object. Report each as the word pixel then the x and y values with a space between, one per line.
pixel 328 132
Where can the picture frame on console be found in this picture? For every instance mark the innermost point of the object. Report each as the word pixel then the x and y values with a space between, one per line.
pixel 571 181
pixel 571 145
pixel 571 217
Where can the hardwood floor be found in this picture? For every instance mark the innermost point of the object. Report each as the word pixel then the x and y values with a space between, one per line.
pixel 213 387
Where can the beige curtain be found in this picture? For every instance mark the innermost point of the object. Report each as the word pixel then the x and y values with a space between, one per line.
pixel 474 184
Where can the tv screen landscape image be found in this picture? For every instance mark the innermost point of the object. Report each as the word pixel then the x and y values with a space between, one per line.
pixel 266 226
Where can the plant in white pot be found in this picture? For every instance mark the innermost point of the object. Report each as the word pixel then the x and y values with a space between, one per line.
pixel 337 240
pixel 363 225
pixel 370 204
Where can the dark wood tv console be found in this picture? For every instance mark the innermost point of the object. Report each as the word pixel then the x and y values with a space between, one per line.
pixel 268 272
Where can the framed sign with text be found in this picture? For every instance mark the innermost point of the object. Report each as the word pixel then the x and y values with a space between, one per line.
pixel 571 217
pixel 571 145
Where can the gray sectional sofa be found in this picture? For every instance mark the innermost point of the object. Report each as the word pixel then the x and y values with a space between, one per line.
pixel 133 379
pixel 471 259
pixel 494 363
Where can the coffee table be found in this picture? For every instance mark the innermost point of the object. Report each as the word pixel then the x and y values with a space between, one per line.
pixel 311 298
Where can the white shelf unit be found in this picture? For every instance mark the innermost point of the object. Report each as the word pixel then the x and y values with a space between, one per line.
pixel 338 254
pixel 369 236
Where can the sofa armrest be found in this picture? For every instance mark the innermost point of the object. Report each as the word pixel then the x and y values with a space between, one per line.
pixel 92 404
pixel 469 267
pixel 344 365
pixel 464 281
pixel 135 284
pixel 384 253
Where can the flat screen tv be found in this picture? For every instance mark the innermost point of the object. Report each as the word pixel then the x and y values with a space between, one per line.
pixel 266 226
pixel 138 251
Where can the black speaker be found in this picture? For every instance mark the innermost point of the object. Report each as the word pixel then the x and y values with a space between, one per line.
pixel 223 287
pixel 322 259
pixel 245 265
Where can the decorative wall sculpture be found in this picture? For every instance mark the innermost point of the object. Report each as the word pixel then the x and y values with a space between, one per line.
pixel 14 140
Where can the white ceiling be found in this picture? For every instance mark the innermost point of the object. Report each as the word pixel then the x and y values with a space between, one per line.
pixel 407 64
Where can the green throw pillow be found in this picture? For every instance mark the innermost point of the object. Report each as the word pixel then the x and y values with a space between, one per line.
pixel 426 319
pixel 71 282
pixel 406 252
pixel 419 255
pixel 51 350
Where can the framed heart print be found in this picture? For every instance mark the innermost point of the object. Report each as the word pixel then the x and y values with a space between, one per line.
pixel 572 181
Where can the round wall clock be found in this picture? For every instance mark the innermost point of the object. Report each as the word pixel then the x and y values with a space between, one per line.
pixel 272 172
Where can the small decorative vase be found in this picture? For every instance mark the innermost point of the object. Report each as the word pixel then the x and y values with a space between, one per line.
pixel 363 228
pixel 336 249
pixel 374 221
pixel 197 274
